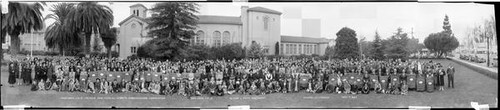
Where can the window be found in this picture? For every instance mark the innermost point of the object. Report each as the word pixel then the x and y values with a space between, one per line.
pixel 192 40
pixel 200 38
pixel 310 49
pixel 289 46
pixel 294 47
pixel 226 38
pixel 307 49
pixel 137 14
pixel 265 49
pixel 133 25
pixel 133 50
pixel 266 22
pixel 217 39
pixel 300 48
pixel 281 49
pixel 316 49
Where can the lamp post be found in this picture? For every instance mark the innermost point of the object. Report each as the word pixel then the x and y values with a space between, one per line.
pixel 488 49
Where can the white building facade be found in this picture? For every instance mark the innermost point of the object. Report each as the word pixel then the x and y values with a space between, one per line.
pixel 257 24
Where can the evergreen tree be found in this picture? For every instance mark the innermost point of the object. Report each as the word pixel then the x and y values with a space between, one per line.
pixel 378 48
pixel 330 51
pixel 442 42
pixel 447 25
pixel 255 50
pixel 173 27
pixel 346 44
pixel 396 47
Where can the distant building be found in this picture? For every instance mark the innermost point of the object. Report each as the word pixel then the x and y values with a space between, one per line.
pixel 29 41
pixel 293 45
pixel 36 41
pixel 257 24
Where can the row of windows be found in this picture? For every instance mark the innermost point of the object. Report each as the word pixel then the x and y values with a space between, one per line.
pixel 218 39
pixel 299 49
pixel 31 44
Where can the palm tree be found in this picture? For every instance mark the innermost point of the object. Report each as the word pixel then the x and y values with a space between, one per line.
pixel 89 18
pixel 109 38
pixel 57 35
pixel 22 18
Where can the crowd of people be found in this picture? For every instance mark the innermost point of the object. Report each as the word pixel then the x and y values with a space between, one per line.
pixel 226 77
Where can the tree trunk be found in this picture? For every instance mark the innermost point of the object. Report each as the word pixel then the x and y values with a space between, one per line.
pixel 14 44
pixel 87 43
pixel 108 49
pixel 61 52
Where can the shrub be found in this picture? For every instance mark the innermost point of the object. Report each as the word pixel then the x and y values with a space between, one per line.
pixel 133 57
pixel 275 56
pixel 38 52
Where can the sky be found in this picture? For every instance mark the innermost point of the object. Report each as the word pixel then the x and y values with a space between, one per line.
pixel 364 18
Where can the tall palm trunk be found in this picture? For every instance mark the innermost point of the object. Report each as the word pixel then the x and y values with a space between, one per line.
pixel 61 51
pixel 14 44
pixel 87 43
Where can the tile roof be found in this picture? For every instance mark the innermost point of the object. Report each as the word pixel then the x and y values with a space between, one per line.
pixel 130 17
pixel 138 5
pixel 297 39
pixel 265 10
pixel 212 19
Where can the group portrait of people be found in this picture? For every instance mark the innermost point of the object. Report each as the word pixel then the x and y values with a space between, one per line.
pixel 226 77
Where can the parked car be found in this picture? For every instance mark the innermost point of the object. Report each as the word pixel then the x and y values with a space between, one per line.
pixel 480 60
pixel 472 58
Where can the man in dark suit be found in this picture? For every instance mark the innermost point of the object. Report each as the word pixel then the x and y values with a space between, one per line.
pixel 451 71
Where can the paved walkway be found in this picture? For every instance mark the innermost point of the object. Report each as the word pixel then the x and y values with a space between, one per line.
pixel 488 71
pixel 481 65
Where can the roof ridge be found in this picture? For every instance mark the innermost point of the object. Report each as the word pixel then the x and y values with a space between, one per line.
pixel 263 9
pixel 218 15
pixel 302 36
pixel 216 19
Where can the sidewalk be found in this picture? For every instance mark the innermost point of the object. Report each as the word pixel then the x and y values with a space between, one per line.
pixel 488 71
